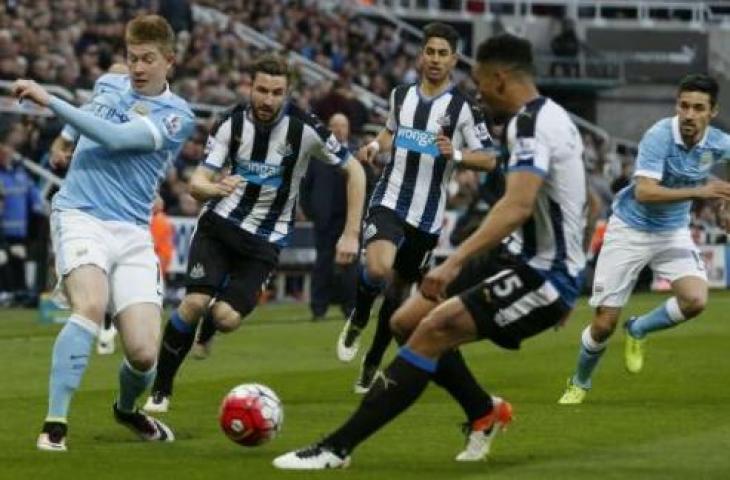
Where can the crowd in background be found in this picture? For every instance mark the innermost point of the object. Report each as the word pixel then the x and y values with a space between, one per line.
pixel 70 43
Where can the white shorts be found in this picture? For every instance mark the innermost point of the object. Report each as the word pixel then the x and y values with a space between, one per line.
pixel 123 250
pixel 626 251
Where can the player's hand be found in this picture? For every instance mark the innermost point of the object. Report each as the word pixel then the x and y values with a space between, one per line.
pixel 367 154
pixel 346 249
pixel 444 145
pixel 433 285
pixel 28 89
pixel 228 184
pixel 715 189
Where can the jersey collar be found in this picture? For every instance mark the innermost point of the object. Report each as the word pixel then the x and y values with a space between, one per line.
pixel 678 136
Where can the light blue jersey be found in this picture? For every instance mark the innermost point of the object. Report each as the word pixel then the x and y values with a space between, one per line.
pixel 664 157
pixel 120 183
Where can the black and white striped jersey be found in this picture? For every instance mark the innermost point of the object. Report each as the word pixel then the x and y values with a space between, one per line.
pixel 272 160
pixel 413 183
pixel 543 139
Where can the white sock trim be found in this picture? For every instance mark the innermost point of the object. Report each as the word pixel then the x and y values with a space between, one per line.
pixel 83 322
pixel 673 310
pixel 589 344
pixel 135 371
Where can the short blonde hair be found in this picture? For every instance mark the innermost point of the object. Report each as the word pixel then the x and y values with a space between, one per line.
pixel 151 29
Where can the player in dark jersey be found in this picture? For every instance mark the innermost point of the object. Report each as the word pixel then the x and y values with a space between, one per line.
pixel 431 128
pixel 250 211
pixel 505 300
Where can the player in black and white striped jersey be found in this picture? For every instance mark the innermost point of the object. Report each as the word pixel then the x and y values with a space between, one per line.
pixel 431 128
pixel 508 298
pixel 250 179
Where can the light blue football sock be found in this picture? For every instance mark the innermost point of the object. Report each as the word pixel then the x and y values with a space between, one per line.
pixel 590 353
pixel 69 360
pixel 666 315
pixel 132 383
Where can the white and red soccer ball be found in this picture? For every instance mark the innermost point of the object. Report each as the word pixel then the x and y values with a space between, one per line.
pixel 251 414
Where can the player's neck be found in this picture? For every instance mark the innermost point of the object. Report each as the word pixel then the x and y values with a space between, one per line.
pixel 522 94
pixel 430 89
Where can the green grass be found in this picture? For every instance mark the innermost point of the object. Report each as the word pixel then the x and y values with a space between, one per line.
pixel 672 421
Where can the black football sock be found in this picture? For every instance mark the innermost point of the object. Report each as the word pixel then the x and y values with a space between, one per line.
pixel 367 291
pixel 207 328
pixel 383 335
pixel 392 392
pixel 176 342
pixel 454 375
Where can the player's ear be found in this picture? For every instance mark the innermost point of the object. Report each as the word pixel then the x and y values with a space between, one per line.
pixel 715 110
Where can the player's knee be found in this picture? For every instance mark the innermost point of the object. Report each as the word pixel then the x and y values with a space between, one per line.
pixel 194 305
pixel 401 325
pixel 227 321
pixel 142 357
pixel 692 304
pixel 603 326
pixel 378 272
pixel 91 308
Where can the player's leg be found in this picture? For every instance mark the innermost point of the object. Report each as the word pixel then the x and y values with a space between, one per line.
pixel 624 254
pixel 107 334
pixel 139 332
pixel 679 261
pixel 207 269
pixel 384 232
pixel 81 260
pixel 204 338
pixel 392 299
pixel 410 262
pixel 393 391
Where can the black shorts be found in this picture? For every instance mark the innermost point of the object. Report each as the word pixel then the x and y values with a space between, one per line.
pixel 228 263
pixel 414 245
pixel 509 300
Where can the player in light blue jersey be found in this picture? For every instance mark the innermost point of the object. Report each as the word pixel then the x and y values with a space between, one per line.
pixel 128 133
pixel 650 226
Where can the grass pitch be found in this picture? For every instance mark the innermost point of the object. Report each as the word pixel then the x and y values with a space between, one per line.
pixel 671 421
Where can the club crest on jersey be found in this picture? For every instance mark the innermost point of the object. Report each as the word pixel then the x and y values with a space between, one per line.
pixel 197 272
pixel 370 231
pixel 444 121
pixel 172 123
pixel 284 149
pixel 140 109
pixel 333 145
pixel 482 132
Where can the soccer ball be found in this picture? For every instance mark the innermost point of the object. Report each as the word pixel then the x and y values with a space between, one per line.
pixel 251 414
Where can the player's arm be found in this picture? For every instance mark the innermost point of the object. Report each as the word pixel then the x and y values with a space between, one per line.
pixel 481 159
pixel 380 144
pixel 479 152
pixel 648 190
pixel 507 215
pixel 347 246
pixel 207 183
pixel 209 179
pixel 138 134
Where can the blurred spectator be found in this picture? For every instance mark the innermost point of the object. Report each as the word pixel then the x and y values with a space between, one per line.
pixel 565 46
pixel 162 236
pixel 623 180
pixel 178 12
pixel 21 201
pixel 324 201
